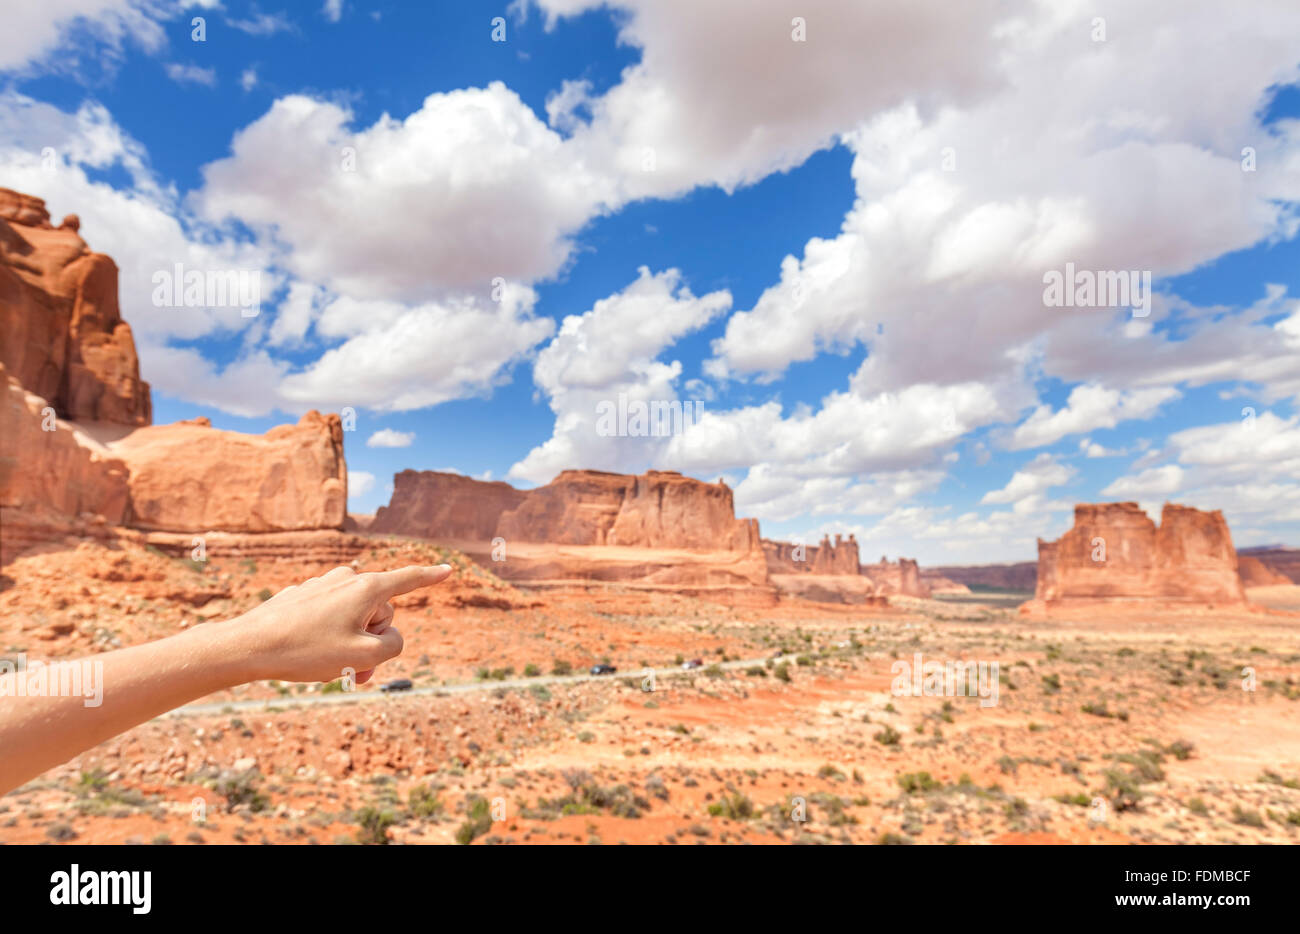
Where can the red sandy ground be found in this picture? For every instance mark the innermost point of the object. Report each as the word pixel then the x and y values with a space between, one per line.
pixel 711 756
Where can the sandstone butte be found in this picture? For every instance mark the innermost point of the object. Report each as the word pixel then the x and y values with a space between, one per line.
pixel 79 448
pixel 840 557
pixel 1116 553
pixel 658 509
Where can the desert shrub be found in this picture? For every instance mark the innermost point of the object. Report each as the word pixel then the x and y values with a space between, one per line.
pixel 914 783
pixel 733 807
pixel 1146 765
pixel 478 820
pixel 888 736
pixel 373 824
pixel 892 839
pixel 423 801
pixel 241 788
pixel 1122 790
pixel 1247 818
pixel 654 786
pixel 1273 778
pixel 60 832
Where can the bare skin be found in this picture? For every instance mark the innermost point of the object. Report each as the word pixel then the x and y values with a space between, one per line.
pixel 311 631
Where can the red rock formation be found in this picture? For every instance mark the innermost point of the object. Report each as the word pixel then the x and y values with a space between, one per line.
pixel 903 577
pixel 663 509
pixel 787 557
pixel 65 348
pixel 1279 560
pixel 936 583
pixel 838 557
pixel 430 503
pixel 1255 573
pixel 65 339
pixel 190 477
pixel 659 509
pixel 830 557
pixel 1115 551
pixel 47 476
pixel 579 507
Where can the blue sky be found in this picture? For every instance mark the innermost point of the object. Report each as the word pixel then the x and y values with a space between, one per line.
pixel 833 235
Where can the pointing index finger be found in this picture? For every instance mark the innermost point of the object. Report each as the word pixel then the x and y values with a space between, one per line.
pixel 404 580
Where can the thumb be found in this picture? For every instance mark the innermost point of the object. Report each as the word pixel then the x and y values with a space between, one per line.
pixel 376 648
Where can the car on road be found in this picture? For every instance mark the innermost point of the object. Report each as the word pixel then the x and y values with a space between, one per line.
pixel 603 669
pixel 694 663
pixel 401 684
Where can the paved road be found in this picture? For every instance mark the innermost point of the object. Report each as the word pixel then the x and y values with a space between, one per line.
pixel 469 687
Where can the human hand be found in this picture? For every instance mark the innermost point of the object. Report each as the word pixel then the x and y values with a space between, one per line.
pixel 314 630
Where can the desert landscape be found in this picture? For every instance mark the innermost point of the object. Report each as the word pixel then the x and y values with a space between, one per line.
pixel 1139 684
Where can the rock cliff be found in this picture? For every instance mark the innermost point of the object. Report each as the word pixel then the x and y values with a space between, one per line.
pixel 1116 552
pixel 79 451
pixel 191 477
pixel 64 337
pixel 658 509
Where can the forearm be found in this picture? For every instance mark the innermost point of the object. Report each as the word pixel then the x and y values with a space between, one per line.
pixel 137 684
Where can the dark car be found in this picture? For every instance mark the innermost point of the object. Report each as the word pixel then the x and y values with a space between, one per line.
pixel 603 669
pixel 401 684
